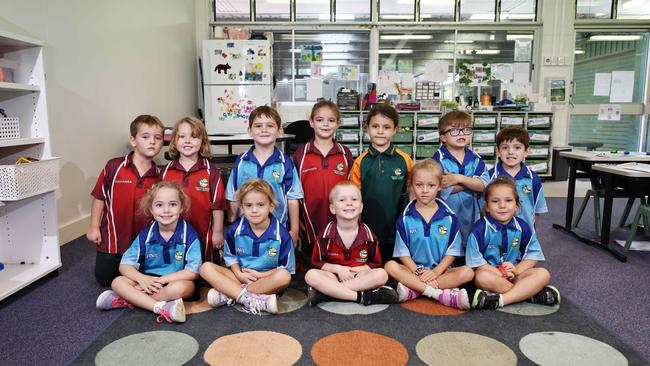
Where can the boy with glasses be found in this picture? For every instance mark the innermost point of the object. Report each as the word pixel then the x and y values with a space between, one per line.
pixel 465 175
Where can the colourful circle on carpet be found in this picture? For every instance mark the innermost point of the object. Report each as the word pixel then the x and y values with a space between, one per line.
pixel 291 300
pixel 559 348
pixel 428 306
pixel 149 348
pixel 529 309
pixel 358 347
pixel 200 306
pixel 460 348
pixel 254 348
pixel 351 308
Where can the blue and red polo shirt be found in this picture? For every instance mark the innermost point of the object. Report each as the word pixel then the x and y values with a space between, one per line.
pixel 320 173
pixel 202 183
pixel 330 248
pixel 121 187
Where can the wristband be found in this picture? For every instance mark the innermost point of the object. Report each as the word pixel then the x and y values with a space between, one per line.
pixel 504 273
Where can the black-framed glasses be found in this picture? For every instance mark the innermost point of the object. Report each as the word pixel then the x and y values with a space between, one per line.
pixel 455 131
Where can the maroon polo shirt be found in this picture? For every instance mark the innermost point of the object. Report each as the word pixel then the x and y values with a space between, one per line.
pixel 330 248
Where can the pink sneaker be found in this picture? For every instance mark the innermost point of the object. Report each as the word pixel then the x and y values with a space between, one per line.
pixel 256 303
pixel 216 298
pixel 108 300
pixel 455 298
pixel 405 293
pixel 172 311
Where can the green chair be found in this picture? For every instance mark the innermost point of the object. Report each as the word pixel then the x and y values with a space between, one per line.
pixel 596 194
pixel 643 210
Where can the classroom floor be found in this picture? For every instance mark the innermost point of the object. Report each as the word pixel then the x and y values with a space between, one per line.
pixel 54 321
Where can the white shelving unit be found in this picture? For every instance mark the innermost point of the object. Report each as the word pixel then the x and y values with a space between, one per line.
pixel 29 242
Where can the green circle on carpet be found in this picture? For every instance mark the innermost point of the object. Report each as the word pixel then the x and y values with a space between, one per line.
pixel 291 300
pixel 559 348
pixel 351 308
pixel 460 348
pixel 254 348
pixel 529 309
pixel 149 348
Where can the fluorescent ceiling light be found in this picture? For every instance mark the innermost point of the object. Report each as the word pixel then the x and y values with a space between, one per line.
pixel 588 3
pixel 395 51
pixel 459 41
pixel 615 37
pixel 406 36
pixel 579 52
pixel 482 17
pixel 335 42
pixel 480 52
pixel 397 16
pixel 512 37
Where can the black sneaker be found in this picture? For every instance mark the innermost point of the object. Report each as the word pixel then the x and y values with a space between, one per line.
pixel 380 295
pixel 548 296
pixel 315 297
pixel 485 300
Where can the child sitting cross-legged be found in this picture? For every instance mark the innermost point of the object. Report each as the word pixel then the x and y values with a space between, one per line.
pixel 159 268
pixel 504 251
pixel 258 254
pixel 428 241
pixel 346 258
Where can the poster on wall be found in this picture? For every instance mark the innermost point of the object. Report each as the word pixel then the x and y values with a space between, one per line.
pixel 311 53
pixel 349 72
pixel 609 112
pixel 557 90
pixel 602 82
pixel 622 88
pixel 523 50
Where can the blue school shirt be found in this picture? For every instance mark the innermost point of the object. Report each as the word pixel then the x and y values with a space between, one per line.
pixel 428 242
pixel 278 170
pixel 273 249
pixel 151 254
pixel 493 243
pixel 529 189
pixel 464 203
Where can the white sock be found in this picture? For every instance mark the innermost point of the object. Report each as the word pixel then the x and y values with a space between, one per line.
pixel 500 300
pixel 431 292
pixel 242 296
pixel 157 307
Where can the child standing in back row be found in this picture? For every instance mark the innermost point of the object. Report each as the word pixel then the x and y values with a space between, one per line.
pixel 513 145
pixel 321 164
pixel 258 254
pixel 346 256
pixel 428 241
pixel 200 180
pixel 504 250
pixel 465 175
pixel 159 268
pixel 114 217
pixel 380 173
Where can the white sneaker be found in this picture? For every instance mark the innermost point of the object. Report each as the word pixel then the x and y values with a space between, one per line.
pixel 216 298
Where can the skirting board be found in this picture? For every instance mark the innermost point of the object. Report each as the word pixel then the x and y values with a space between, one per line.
pixel 74 229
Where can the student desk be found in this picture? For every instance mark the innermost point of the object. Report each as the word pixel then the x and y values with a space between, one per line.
pixel 581 165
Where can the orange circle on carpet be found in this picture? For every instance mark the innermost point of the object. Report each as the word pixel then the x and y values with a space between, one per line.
pixel 254 348
pixel 200 306
pixel 430 307
pixel 358 347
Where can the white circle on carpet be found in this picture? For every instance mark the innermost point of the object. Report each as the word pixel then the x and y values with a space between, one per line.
pixel 559 348
pixel 149 348
pixel 461 348
pixel 291 300
pixel 529 309
pixel 351 308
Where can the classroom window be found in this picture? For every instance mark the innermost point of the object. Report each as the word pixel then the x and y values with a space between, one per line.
pixel 352 10
pixel 437 10
pixel 604 53
pixel 477 10
pixel 397 10
pixel 227 10
pixel 633 9
pixel 313 10
pixel 619 135
pixel 593 9
pixel 517 10
pixel 272 10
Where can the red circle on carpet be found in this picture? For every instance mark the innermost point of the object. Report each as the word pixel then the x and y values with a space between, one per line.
pixel 358 347
pixel 427 306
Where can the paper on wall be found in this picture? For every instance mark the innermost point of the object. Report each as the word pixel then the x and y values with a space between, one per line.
pixel 407 80
pixel 609 112
pixel 521 72
pixel 502 72
pixel 622 87
pixel 314 88
pixel 436 70
pixel 602 83
pixel 523 50
pixel 387 81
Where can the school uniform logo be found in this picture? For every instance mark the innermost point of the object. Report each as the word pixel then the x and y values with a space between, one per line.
pixel 178 255
pixel 398 174
pixel 272 252
pixel 203 185
pixel 442 230
pixel 363 254
pixel 526 189
pixel 276 175
pixel 515 242
pixel 339 169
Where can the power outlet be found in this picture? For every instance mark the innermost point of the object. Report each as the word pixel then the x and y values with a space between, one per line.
pixel 548 60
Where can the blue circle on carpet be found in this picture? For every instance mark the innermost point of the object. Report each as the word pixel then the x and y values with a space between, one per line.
pixel 559 348
pixel 149 348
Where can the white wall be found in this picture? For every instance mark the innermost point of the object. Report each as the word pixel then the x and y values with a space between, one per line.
pixel 105 62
